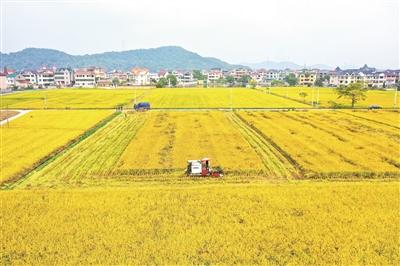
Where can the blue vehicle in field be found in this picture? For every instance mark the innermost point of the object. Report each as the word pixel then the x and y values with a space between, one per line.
pixel 142 106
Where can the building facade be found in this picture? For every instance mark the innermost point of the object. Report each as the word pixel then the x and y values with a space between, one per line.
pixel 84 78
pixel 64 77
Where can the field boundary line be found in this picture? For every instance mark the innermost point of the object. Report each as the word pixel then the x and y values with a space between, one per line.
pixel 19 178
pixel 371 120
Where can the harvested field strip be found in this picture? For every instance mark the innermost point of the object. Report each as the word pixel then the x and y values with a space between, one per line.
pixel 33 138
pixel 93 158
pixel 277 163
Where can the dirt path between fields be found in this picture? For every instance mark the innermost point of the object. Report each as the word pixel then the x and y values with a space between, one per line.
pixel 18 114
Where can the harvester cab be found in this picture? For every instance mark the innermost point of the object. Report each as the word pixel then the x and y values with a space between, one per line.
pixel 202 168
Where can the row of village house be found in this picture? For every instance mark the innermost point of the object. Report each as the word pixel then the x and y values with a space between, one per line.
pixel 98 77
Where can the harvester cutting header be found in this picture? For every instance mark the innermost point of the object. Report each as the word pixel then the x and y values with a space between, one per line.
pixel 202 168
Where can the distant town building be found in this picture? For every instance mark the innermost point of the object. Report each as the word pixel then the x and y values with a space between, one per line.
pixel 214 75
pixel 64 77
pixel 84 78
pixel 307 79
pixel 30 76
pixel 187 80
pixel 140 76
pixel 45 78
pixel 3 81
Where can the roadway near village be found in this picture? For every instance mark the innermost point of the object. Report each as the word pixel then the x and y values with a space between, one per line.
pixel 206 176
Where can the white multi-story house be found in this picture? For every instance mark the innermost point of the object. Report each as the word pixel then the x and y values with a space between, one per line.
pixel 99 73
pixel 272 75
pixel 11 79
pixel 140 76
pixel 154 77
pixel 30 76
pixel 45 78
pixel 3 81
pixel 64 77
pixel 239 73
pixel 187 80
pixel 214 75
pixel 84 78
pixel 117 74
pixel 307 79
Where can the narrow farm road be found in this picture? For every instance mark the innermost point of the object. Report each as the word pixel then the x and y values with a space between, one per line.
pixel 20 113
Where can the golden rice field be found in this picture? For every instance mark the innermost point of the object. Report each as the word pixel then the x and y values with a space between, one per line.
pixel 296 223
pixel 111 187
pixel 28 139
pixel 70 98
pixel 328 95
pixel 157 145
pixel 334 144
pixel 216 98
pixel 248 145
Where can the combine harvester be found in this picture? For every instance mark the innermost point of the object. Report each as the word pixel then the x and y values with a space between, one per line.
pixel 202 168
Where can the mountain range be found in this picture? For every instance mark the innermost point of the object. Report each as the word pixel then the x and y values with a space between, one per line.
pixel 167 57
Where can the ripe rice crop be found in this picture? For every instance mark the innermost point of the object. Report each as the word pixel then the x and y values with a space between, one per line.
pixel 70 98
pixel 33 136
pixel 168 139
pixel 295 223
pixel 93 158
pixel 329 95
pixel 332 143
pixel 390 118
pixel 216 98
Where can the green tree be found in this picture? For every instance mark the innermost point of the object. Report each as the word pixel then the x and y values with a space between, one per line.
pixel 253 83
pixel 291 79
pixel 244 80
pixel 198 75
pixel 355 92
pixel 229 80
pixel 276 83
pixel 319 82
pixel 172 80
pixel 303 95
pixel 161 83
pixel 115 82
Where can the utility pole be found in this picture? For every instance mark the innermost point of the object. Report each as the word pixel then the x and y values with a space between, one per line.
pixel 45 100
pixel 313 98
pixel 395 97
pixel 231 100
pixel 318 97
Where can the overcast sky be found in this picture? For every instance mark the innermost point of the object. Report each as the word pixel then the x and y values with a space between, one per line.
pixel 336 32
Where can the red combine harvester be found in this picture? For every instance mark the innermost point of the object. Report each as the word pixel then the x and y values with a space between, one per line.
pixel 202 168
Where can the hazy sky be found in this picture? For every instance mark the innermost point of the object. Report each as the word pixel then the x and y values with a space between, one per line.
pixel 338 32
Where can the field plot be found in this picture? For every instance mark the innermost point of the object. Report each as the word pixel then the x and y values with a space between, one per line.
pixel 216 98
pixel 332 144
pixel 71 98
pixel 390 118
pixel 154 145
pixel 91 159
pixel 328 95
pixel 300 223
pixel 28 139
pixel 7 114
pixel 168 139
